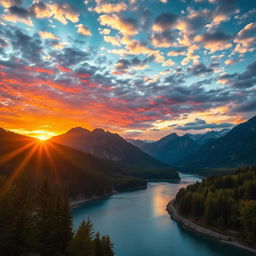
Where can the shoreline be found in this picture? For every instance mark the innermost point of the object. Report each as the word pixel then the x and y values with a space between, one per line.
pixel 77 203
pixel 204 231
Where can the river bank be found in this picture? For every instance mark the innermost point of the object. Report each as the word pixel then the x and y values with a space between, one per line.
pixel 204 231
pixel 76 203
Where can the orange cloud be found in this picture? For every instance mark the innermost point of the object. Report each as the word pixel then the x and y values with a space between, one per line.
pixel 16 19
pixel 48 35
pixel 83 30
pixel 124 26
pixel 61 12
pixel 110 7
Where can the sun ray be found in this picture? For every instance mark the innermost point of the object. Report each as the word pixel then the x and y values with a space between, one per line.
pixel 17 171
pixel 51 162
pixel 10 155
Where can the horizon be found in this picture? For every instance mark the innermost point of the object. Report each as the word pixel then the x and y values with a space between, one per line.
pixel 45 136
pixel 137 68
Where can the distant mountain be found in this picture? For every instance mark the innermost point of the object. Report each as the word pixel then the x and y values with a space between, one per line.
pixel 171 148
pixel 236 148
pixel 204 137
pixel 110 146
pixel 137 143
pixel 74 173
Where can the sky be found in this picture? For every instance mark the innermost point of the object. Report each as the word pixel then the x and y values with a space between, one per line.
pixel 141 68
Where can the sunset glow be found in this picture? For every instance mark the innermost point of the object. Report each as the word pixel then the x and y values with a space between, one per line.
pixel 141 69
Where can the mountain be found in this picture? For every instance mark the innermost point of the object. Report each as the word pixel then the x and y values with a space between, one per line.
pixel 171 148
pixel 204 137
pixel 74 173
pixel 236 148
pixel 137 143
pixel 110 146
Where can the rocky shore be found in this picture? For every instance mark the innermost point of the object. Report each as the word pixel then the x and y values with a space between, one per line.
pixel 204 231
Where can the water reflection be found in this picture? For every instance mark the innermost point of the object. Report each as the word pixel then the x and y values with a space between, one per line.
pixel 139 225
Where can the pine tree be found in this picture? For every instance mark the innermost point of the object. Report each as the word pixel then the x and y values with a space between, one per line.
pixel 46 224
pixel 107 246
pixel 82 242
pixel 98 248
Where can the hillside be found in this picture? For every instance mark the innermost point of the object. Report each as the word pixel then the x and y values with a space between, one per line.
pixel 226 204
pixel 110 146
pixel 75 173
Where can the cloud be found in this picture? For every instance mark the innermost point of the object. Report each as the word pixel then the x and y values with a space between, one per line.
pixel 10 3
pixel 126 26
pixel 48 35
pixel 83 30
pixel 41 10
pixel 164 22
pixel 125 65
pixel 114 40
pixel 164 39
pixel 247 79
pixel 64 13
pixel 200 124
pixel 177 52
pixel 168 63
pixel 199 69
pixel 247 106
pixel 214 41
pixel 17 14
pixel 110 7
pixel 245 39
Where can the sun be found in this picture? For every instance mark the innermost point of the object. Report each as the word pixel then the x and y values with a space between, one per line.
pixel 42 137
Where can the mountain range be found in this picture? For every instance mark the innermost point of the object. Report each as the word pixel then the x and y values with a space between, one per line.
pixel 214 149
pixel 110 146
pixel 236 148
pixel 73 172
pixel 172 148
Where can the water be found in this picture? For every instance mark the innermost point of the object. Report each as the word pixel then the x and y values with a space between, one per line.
pixel 139 225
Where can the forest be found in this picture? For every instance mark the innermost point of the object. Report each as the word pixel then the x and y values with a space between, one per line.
pixel 224 203
pixel 38 222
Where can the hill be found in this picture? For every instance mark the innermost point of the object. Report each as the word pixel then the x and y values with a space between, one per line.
pixel 226 204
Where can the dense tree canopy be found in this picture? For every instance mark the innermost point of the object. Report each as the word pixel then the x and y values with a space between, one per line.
pixel 224 202
pixel 38 222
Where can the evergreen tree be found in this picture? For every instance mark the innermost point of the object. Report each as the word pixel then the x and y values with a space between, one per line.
pixel 98 247
pixel 107 246
pixel 82 242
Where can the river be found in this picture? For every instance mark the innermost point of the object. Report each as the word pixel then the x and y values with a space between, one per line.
pixel 139 225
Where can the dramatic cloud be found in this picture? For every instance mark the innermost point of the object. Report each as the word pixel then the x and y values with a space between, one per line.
pixel 246 39
pixel 216 41
pixel 164 22
pixel 126 26
pixel 128 66
pixel 200 124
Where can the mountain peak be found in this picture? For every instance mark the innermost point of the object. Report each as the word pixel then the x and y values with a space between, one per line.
pixel 78 130
pixel 98 131
pixel 169 137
